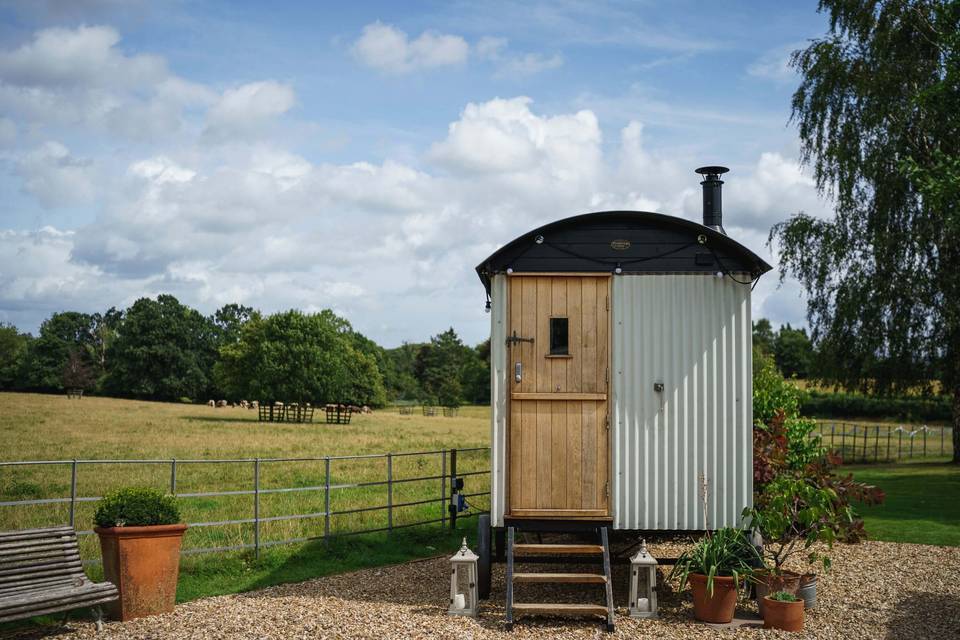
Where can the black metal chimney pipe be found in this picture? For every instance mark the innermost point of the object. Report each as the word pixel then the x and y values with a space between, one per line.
pixel 712 197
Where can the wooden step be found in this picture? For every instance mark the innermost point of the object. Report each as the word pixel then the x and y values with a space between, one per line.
pixel 561 609
pixel 572 578
pixel 558 549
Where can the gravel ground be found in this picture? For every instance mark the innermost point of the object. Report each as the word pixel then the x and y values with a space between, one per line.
pixel 874 590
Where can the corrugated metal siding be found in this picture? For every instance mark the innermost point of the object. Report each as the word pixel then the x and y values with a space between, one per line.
pixel 693 334
pixel 499 387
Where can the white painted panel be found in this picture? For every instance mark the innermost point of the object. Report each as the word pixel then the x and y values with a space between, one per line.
pixel 693 334
pixel 499 387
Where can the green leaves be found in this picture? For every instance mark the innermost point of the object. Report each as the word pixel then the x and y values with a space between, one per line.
pixel 136 507
pixel 725 552
pixel 876 112
pixel 163 350
pixel 297 357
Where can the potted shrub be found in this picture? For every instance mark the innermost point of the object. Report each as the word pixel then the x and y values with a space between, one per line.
pixel 783 611
pixel 140 534
pixel 715 568
pixel 792 514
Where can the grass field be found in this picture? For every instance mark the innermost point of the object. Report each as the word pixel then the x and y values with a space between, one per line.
pixel 922 502
pixel 43 427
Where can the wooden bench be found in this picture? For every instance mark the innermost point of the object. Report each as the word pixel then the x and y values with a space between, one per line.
pixel 41 573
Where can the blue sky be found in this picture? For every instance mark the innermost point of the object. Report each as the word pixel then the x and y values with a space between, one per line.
pixel 365 156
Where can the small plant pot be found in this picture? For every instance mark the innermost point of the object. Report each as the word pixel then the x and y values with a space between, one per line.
pixel 767 582
pixel 786 616
pixel 144 564
pixel 719 607
pixel 808 590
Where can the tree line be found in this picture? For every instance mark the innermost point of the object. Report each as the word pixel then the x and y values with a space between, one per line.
pixel 161 349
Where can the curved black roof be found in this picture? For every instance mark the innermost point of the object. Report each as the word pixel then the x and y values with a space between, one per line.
pixel 634 241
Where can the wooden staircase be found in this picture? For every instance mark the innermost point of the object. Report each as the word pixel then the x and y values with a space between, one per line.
pixel 598 552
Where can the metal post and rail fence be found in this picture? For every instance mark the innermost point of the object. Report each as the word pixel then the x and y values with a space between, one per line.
pixel 867 443
pixel 443 493
pixel 854 442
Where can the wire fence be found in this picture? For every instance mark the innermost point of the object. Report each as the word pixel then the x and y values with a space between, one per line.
pixel 860 442
pixel 413 489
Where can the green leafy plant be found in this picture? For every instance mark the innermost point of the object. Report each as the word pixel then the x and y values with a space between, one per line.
pixel 725 552
pixel 136 507
pixel 792 514
pixel 783 596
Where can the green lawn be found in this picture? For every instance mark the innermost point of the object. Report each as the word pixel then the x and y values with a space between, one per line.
pixel 922 505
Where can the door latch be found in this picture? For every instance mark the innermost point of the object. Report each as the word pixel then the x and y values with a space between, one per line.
pixel 515 339
pixel 518 372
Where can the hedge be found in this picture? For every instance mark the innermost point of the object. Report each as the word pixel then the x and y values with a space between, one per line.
pixel 854 405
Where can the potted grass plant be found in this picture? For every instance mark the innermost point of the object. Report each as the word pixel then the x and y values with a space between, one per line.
pixel 140 534
pixel 715 568
pixel 783 611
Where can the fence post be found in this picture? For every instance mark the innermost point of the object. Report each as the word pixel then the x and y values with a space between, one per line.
pixel 899 443
pixel 876 446
pixel 866 432
pixel 843 440
pixel 256 507
pixel 173 476
pixel 942 429
pixel 911 444
pixel 389 492
pixel 833 434
pixel 73 492
pixel 924 441
pixel 326 499
pixel 888 442
pixel 453 489
pixel 443 488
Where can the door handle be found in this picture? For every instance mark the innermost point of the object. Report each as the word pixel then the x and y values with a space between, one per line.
pixel 518 372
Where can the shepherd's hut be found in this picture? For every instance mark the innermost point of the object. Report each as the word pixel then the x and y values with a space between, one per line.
pixel 621 379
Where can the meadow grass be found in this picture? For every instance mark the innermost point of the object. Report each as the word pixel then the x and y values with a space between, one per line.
pixel 47 427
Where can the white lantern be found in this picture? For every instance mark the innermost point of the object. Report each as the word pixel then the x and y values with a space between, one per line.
pixel 463 582
pixel 643 584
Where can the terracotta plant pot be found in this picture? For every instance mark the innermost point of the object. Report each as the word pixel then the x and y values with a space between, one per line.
pixel 787 616
pixel 718 608
pixel 144 563
pixel 766 583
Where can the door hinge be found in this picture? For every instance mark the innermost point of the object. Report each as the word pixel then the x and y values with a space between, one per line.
pixel 606 376
pixel 606 488
pixel 606 422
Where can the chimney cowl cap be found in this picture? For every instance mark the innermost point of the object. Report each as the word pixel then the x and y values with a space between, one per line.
pixel 712 170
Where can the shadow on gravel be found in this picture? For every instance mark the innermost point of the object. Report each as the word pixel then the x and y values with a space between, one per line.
pixel 925 615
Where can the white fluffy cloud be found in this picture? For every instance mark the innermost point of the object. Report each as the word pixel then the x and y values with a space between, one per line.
pixel 505 136
pixel 55 177
pixel 388 49
pixel 247 108
pixel 81 77
pixel 84 56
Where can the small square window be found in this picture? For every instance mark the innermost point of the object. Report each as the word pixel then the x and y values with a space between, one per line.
pixel 559 340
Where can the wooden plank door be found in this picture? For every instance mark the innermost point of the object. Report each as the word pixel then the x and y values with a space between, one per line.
pixel 558 435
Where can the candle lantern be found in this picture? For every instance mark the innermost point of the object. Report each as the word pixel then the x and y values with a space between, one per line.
pixel 463 582
pixel 643 584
